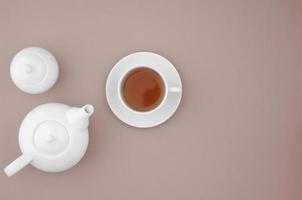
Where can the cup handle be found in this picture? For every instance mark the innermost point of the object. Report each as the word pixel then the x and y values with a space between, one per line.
pixel 175 89
pixel 17 164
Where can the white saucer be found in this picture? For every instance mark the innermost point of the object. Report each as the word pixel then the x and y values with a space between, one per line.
pixel 169 103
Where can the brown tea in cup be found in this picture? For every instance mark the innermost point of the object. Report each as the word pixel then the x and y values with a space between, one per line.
pixel 143 89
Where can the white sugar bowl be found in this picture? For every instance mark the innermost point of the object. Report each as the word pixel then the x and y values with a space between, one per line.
pixel 34 70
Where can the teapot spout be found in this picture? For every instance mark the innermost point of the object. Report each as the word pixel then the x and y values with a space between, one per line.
pixel 79 117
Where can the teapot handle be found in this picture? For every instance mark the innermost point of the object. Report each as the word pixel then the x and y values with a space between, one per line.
pixel 17 164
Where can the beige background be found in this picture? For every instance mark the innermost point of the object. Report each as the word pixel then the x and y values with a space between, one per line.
pixel 237 134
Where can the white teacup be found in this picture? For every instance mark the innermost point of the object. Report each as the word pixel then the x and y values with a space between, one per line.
pixel 169 103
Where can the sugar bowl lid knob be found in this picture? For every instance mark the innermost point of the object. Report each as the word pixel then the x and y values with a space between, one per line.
pixel 34 70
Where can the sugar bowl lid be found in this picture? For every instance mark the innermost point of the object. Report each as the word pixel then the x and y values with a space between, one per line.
pixel 34 70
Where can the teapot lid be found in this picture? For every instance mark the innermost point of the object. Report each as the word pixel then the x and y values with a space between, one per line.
pixel 50 138
pixel 34 70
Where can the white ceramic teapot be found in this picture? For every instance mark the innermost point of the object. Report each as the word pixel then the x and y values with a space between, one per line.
pixel 53 137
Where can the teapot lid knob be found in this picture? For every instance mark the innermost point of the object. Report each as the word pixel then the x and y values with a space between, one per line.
pixel 50 138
